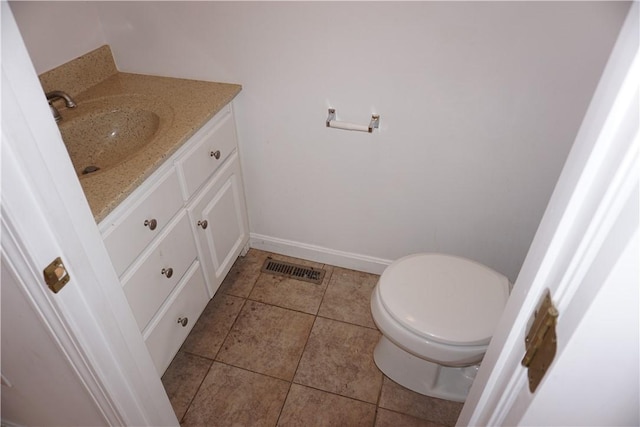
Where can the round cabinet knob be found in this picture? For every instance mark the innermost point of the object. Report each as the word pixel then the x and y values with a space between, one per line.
pixel 204 224
pixel 183 321
pixel 167 272
pixel 151 223
pixel 215 154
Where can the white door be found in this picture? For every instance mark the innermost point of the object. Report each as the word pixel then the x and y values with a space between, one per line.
pixel 81 346
pixel 39 385
pixel 586 254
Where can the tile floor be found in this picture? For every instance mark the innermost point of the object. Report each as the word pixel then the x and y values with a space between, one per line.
pixel 270 351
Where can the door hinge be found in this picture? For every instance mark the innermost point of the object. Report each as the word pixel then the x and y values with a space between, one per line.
pixel 540 342
pixel 55 275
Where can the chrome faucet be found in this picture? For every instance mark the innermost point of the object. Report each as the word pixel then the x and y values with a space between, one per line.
pixel 58 94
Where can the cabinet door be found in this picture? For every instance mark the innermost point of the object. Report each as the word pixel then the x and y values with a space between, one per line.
pixel 219 220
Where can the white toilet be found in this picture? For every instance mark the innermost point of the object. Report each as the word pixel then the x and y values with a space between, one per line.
pixel 437 314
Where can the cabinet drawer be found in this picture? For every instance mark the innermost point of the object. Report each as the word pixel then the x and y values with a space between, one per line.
pixel 145 284
pixel 205 157
pixel 128 235
pixel 165 334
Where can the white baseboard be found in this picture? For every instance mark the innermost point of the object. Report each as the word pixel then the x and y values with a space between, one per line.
pixel 319 254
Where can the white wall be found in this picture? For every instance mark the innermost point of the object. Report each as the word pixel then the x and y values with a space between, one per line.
pixel 57 32
pixel 479 104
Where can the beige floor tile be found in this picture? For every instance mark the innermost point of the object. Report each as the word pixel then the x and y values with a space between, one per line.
pixel 182 380
pixel 209 332
pixel 386 418
pixel 290 293
pixel 347 297
pixel 339 358
pixel 231 396
pixel 400 399
pixel 310 407
pixel 243 274
pixel 267 339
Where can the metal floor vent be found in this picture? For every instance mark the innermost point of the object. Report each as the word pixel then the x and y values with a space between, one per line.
pixel 294 271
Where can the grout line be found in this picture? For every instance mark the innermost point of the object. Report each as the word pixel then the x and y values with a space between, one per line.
pixel 329 279
pixel 335 394
pixel 282 307
pixel 350 323
pixel 306 343
pixel 194 354
pixel 244 302
pixel 304 348
pixel 284 402
pixel 197 390
pixel 212 361
pixel 378 400
pixel 252 371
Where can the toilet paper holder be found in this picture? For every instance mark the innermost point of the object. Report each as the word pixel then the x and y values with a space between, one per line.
pixel 333 123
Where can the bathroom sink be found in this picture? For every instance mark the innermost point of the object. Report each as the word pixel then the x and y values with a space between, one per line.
pixel 102 133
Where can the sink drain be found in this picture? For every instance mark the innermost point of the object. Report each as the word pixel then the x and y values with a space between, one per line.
pixel 90 169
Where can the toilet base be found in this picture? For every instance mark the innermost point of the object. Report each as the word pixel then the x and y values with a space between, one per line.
pixel 422 376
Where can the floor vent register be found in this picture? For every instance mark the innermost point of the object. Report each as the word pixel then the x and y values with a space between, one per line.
pixel 294 271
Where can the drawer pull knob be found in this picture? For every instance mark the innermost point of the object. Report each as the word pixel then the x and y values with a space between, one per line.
pixel 183 321
pixel 204 224
pixel 215 154
pixel 151 223
pixel 167 272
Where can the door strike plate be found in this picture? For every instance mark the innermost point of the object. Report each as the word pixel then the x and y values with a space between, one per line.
pixel 540 342
pixel 55 275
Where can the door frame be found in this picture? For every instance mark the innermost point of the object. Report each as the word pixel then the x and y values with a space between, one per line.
pixel 45 215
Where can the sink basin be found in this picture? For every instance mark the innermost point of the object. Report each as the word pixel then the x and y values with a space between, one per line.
pixel 106 132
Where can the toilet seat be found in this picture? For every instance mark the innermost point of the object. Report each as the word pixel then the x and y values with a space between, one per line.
pixel 444 298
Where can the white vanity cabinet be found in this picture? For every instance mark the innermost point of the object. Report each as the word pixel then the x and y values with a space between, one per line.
pixel 174 239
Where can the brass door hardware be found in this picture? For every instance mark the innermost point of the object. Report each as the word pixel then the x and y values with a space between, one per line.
pixel 55 275
pixel 541 342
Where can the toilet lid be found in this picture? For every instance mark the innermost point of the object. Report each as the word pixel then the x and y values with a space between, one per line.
pixel 444 298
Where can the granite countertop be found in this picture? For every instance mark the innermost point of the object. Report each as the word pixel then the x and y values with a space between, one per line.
pixel 94 82
pixel 184 106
